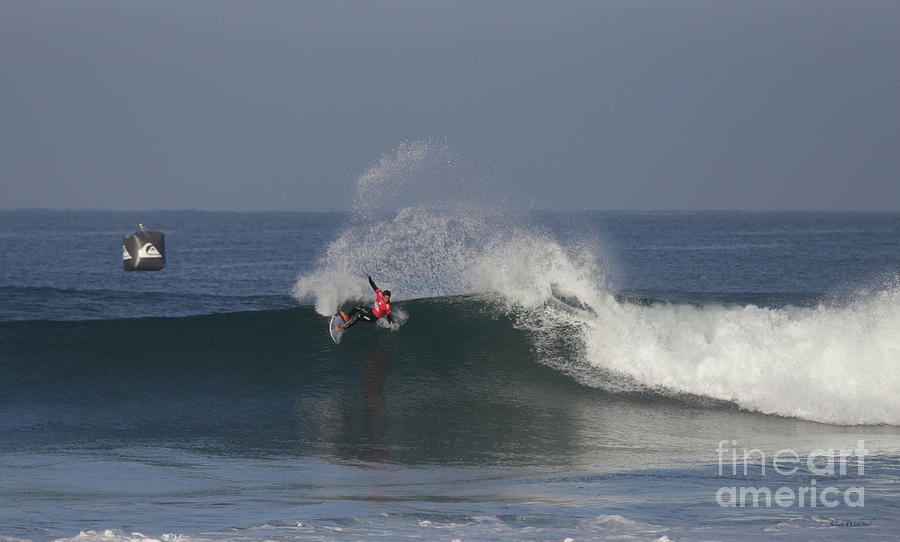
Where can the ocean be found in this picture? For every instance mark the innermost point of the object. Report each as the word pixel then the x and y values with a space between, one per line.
pixel 590 375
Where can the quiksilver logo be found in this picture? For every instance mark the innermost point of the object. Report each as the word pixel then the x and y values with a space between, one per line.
pixel 149 251
pixel 125 254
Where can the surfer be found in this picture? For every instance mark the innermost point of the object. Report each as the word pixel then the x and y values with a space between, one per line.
pixel 382 307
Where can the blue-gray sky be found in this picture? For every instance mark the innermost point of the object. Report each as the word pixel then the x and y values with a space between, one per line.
pixel 637 104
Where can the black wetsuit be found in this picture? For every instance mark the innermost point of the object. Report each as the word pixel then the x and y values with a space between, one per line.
pixel 366 313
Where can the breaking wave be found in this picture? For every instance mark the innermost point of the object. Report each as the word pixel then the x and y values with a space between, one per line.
pixel 426 225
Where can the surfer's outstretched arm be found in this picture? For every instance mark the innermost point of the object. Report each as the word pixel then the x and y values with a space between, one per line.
pixel 371 282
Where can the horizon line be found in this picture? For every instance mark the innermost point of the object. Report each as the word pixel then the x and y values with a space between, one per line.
pixel 536 210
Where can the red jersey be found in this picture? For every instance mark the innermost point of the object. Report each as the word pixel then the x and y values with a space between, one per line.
pixel 381 307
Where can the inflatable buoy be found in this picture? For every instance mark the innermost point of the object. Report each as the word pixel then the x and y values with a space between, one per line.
pixel 144 250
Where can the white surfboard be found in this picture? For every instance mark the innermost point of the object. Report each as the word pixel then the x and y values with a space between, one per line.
pixel 336 321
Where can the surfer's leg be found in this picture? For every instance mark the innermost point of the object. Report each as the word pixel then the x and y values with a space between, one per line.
pixel 354 316
pixel 349 323
pixel 355 311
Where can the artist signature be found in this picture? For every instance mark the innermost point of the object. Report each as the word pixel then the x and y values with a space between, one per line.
pixel 851 523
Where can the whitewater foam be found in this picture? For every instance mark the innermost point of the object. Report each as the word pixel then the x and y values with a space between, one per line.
pixel 117 535
pixel 829 364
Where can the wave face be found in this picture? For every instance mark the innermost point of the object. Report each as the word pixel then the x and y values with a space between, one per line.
pixel 271 382
pixel 831 363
